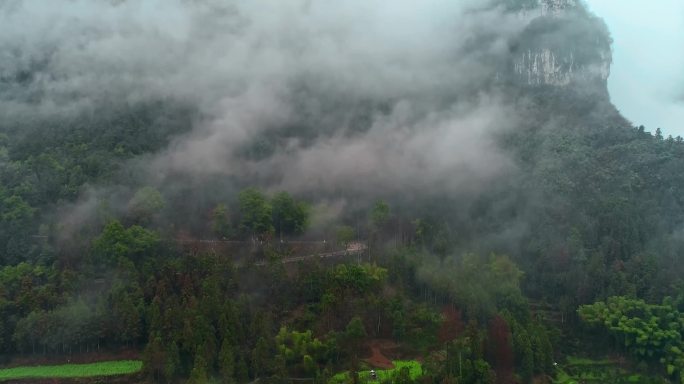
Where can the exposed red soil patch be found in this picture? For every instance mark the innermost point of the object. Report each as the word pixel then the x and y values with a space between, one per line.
pixel 379 350
pixel 452 326
pixel 542 379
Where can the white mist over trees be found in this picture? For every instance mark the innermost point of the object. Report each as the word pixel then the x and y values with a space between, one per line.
pixel 236 177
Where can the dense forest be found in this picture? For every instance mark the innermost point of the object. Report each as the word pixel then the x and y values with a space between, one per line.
pixel 242 193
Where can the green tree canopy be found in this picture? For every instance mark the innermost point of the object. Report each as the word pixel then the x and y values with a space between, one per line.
pixel 380 213
pixel 146 203
pixel 345 235
pixel 117 242
pixel 220 221
pixel 651 332
pixel 255 213
pixel 290 217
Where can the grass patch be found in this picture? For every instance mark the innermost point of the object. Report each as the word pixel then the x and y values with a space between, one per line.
pixel 414 367
pixel 578 370
pixel 580 361
pixel 104 368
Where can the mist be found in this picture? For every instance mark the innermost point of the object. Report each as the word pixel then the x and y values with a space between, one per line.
pixel 354 96
pixel 224 186
pixel 338 103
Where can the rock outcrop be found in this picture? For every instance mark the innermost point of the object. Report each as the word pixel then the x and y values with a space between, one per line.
pixel 564 45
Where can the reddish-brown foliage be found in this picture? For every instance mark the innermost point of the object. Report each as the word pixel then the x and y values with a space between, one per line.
pixel 501 350
pixel 452 325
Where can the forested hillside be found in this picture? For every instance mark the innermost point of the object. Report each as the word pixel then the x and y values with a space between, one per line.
pixel 302 190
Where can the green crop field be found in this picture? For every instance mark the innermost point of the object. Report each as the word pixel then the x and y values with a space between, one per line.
pixel 584 370
pixel 105 368
pixel 415 370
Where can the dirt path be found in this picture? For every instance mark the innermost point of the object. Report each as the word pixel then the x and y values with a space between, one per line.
pixel 352 249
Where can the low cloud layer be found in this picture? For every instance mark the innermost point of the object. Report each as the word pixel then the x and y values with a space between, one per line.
pixel 301 95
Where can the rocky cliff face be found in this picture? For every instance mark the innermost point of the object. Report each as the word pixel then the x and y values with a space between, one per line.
pixel 544 66
pixel 556 7
pixel 564 45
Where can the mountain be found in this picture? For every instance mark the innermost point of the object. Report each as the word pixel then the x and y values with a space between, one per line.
pixel 563 46
pixel 151 152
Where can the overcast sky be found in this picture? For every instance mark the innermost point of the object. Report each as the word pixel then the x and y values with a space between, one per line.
pixel 647 76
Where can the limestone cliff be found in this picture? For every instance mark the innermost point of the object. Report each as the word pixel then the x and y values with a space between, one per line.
pixel 562 46
pixel 556 7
